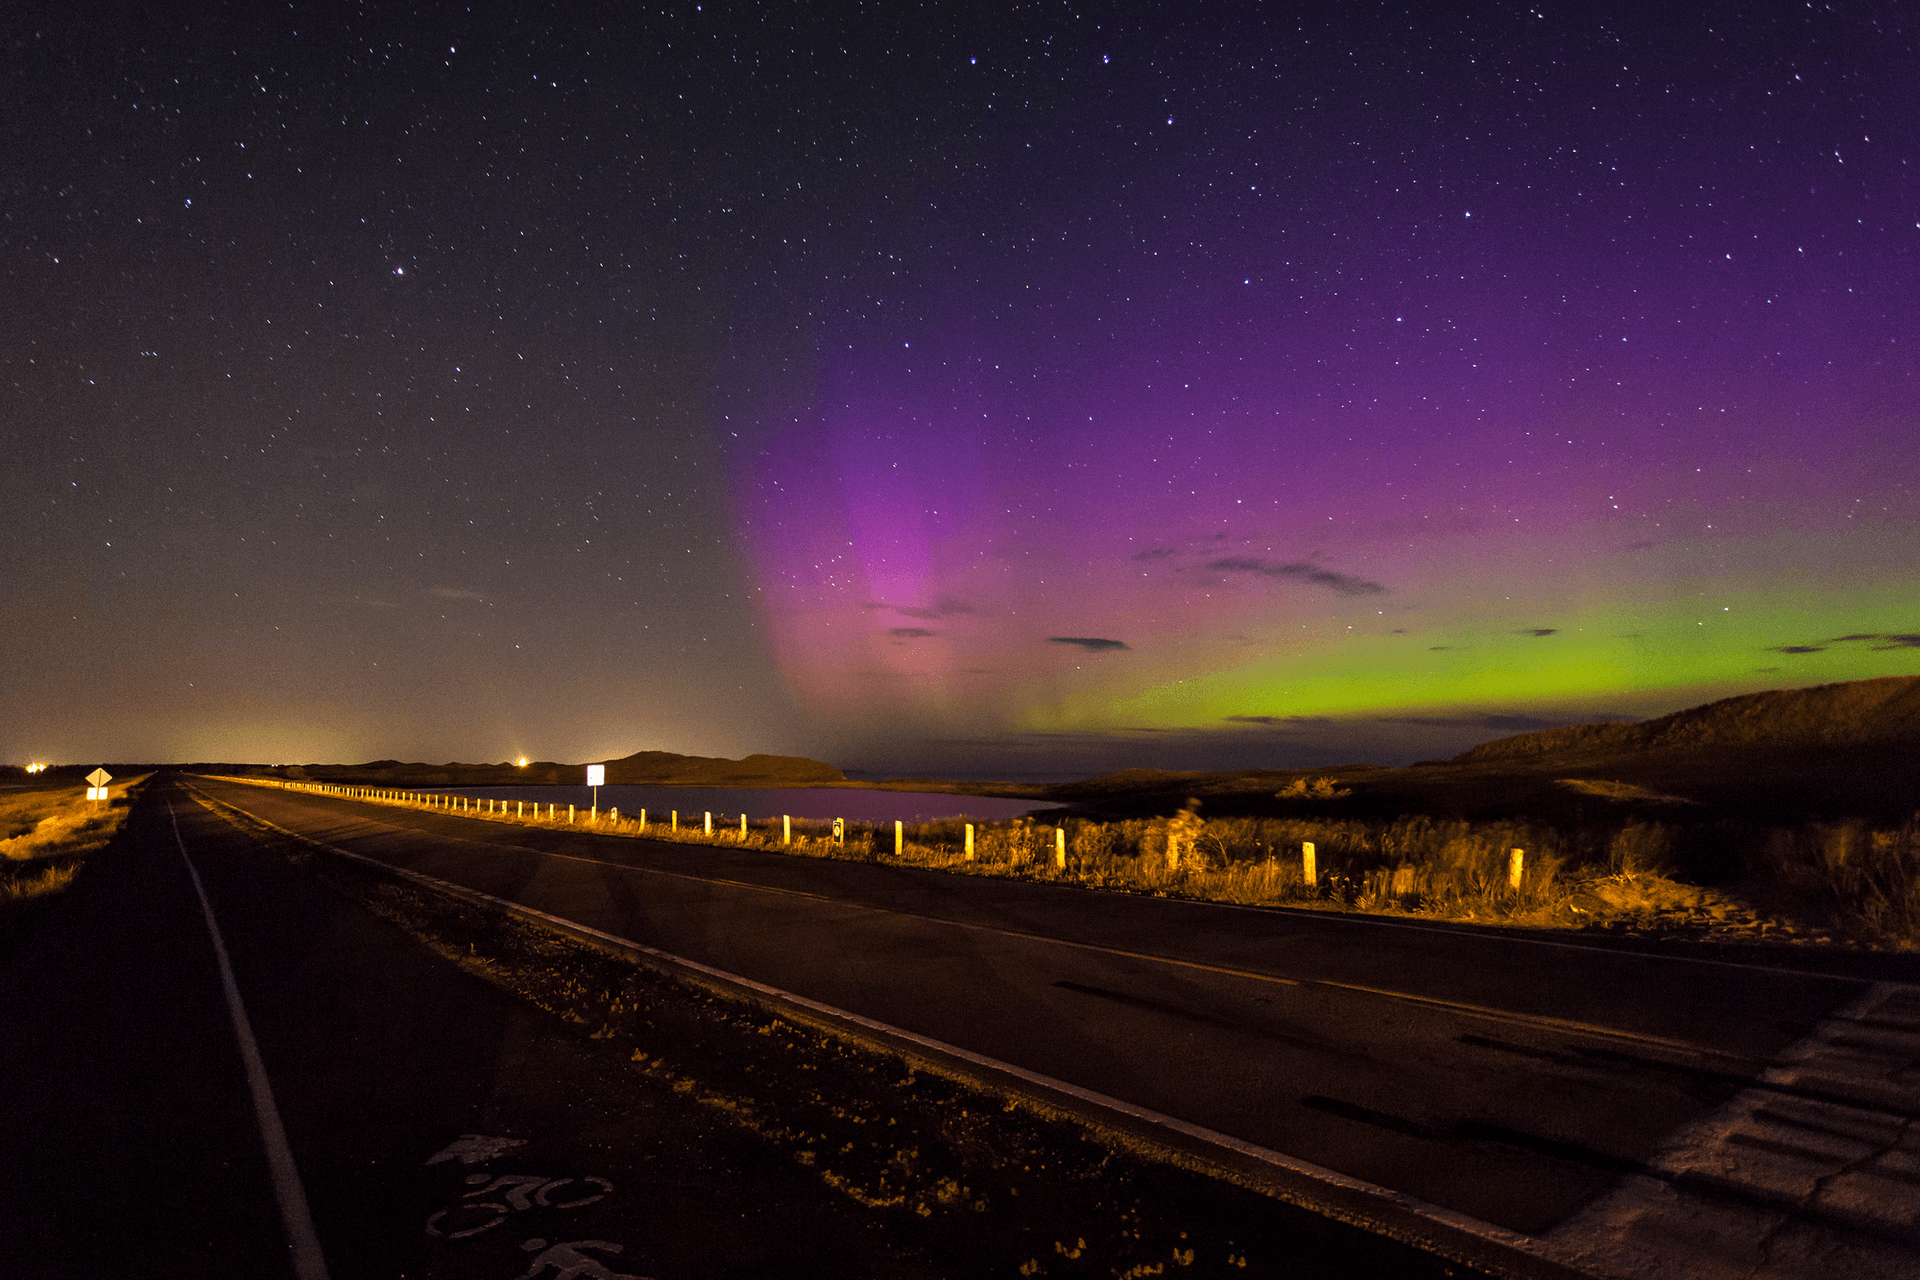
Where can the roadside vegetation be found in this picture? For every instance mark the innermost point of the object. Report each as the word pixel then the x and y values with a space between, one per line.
pixel 1824 882
pixel 47 831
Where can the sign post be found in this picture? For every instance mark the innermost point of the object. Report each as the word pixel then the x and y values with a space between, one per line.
pixel 97 784
pixel 596 778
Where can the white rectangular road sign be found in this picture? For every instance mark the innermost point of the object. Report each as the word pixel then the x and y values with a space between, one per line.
pixel 596 775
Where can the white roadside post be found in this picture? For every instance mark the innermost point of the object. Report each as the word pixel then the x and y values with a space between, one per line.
pixel 596 778
pixel 969 842
pixel 643 820
pixel 786 828
pixel 1059 848
pixel 899 837
pixel 743 827
pixel 1516 868
pixel 97 785
pixel 709 814
pixel 1309 873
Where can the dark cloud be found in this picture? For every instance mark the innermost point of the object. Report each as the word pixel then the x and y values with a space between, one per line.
pixel 1799 648
pixel 1300 570
pixel 945 607
pixel 1156 553
pixel 1503 723
pixel 1892 639
pixel 910 633
pixel 1486 720
pixel 1092 644
pixel 1287 722
pixel 1538 631
pixel 1440 648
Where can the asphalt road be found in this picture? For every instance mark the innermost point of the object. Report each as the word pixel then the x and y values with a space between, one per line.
pixel 1504 1078
pixel 130 1143
pixel 1500 1077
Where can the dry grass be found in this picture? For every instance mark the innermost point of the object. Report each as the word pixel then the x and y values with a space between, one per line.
pixel 46 833
pixel 1872 876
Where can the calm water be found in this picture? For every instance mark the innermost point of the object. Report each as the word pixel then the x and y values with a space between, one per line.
pixel 855 804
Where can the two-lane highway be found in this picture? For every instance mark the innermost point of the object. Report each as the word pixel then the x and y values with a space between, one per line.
pixel 437 1126
pixel 1509 1079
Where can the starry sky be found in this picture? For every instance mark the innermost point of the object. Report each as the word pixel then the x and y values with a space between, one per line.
pixel 1008 390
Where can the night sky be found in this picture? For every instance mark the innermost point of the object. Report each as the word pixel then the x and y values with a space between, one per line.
pixel 1010 390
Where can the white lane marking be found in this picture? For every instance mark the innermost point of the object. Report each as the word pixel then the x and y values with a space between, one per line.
pixel 568 1262
pixel 302 1241
pixel 434 1229
pixel 476 1148
pixel 1485 1013
pixel 519 1190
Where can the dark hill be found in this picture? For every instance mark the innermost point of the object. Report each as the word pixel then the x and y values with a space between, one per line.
pixel 1858 713
pixel 1786 756
pixel 642 768
pixel 708 771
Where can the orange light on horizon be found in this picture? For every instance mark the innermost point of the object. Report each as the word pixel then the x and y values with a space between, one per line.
pixel 521 763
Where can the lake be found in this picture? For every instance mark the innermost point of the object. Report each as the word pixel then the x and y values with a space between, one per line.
pixel 855 804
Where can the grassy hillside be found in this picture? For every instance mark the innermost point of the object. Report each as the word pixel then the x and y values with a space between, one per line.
pixel 1855 714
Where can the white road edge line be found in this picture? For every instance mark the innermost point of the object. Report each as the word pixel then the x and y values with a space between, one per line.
pixel 1529 1247
pixel 302 1241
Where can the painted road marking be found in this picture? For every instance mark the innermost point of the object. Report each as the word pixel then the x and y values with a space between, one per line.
pixel 521 1191
pixel 476 1148
pixel 302 1241
pixel 568 1262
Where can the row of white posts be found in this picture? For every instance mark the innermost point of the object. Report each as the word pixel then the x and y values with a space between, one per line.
pixel 1309 870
